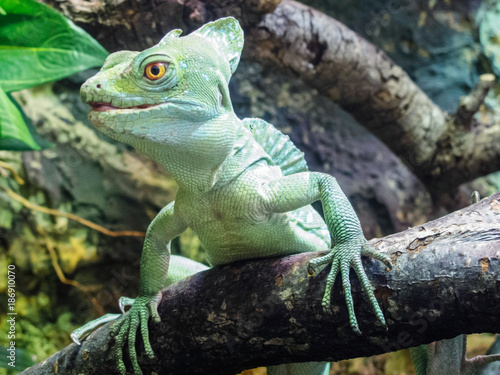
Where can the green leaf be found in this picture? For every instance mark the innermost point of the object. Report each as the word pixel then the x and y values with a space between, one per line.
pixel 14 134
pixel 38 44
pixel 2 12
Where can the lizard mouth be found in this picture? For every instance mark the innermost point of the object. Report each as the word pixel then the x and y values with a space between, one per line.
pixel 103 107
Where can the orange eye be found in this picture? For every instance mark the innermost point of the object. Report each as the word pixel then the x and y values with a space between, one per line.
pixel 155 71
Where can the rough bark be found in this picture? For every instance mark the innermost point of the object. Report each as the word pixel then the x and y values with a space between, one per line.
pixel 445 281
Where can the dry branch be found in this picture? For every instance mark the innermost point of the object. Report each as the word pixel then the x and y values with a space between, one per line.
pixel 446 281
pixel 469 104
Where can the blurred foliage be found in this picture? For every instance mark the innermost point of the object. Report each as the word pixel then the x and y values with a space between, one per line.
pixel 42 328
pixel 189 246
pixel 37 45
pixel 43 323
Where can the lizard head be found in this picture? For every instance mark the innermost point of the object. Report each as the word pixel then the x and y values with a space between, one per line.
pixel 164 94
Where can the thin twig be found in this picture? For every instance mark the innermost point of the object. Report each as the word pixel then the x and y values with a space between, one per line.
pixel 10 168
pixel 71 216
pixel 470 104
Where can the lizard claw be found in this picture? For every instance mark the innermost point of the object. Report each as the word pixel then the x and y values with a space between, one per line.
pixel 343 257
pixel 125 330
pixel 75 338
pixel 369 251
pixel 315 263
pixel 125 302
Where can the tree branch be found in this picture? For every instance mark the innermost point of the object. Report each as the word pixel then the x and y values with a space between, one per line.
pixel 329 57
pixel 469 105
pixel 445 282
pixel 354 73
pixel 468 148
pixel 351 71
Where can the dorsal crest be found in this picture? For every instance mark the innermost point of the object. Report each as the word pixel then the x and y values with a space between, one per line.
pixel 277 145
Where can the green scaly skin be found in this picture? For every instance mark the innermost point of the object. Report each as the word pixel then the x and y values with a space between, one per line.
pixel 238 202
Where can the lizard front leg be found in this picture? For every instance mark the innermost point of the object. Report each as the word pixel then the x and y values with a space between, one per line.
pixel 297 190
pixel 154 267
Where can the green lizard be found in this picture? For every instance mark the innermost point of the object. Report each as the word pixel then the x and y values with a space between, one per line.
pixel 244 188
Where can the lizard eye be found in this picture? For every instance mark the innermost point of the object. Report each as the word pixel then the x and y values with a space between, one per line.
pixel 155 71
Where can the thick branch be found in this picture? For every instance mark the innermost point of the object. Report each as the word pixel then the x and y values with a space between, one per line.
pixel 340 64
pixel 328 56
pixel 446 281
pixel 463 156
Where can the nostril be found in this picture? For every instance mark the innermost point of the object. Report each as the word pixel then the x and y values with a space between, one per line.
pixel 98 86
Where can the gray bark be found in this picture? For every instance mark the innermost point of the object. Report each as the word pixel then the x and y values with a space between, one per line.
pixel 445 281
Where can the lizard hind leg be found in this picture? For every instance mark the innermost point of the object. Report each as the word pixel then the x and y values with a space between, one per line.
pixel 78 333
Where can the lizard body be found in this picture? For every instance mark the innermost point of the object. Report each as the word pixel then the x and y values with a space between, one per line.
pixel 244 188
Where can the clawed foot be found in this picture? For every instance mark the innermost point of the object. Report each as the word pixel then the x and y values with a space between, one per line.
pixel 343 257
pixel 125 329
pixel 78 333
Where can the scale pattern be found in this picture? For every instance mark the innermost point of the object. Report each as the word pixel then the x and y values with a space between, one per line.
pixel 278 146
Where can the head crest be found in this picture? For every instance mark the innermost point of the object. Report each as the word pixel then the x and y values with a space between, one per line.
pixel 170 35
pixel 226 35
